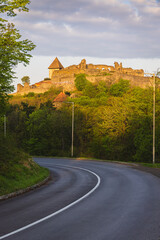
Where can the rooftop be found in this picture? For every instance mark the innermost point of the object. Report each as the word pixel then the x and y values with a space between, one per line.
pixel 56 64
pixel 60 98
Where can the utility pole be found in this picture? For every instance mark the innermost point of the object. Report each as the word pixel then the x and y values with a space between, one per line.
pixel 154 103
pixel 154 112
pixel 72 129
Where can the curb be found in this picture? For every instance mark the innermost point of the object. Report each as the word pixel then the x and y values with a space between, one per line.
pixel 19 192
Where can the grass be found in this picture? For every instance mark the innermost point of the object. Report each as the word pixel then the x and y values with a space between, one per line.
pixel 20 175
pixel 151 165
pixel 17 169
pixel 155 165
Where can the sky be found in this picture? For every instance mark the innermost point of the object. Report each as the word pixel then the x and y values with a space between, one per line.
pixel 101 31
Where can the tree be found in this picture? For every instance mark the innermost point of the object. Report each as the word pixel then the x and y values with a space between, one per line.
pixel 25 79
pixel 12 49
pixel 90 90
pixel 118 89
pixel 80 81
pixel 9 7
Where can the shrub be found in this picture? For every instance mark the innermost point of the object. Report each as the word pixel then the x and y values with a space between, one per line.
pixel 80 81
pixel 118 89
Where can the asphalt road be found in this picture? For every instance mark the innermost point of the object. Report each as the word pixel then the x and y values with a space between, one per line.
pixel 85 200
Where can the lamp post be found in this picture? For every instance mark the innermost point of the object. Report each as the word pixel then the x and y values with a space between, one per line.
pixel 154 110
pixel 154 113
pixel 72 144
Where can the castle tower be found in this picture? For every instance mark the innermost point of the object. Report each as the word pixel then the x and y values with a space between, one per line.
pixel 55 65
pixel 83 65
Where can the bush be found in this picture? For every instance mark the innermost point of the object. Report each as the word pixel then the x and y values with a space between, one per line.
pixel 30 94
pixel 80 81
pixel 118 89
pixel 90 90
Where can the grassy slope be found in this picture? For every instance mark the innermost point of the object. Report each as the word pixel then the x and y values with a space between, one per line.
pixel 19 176
pixel 17 169
pixel 35 99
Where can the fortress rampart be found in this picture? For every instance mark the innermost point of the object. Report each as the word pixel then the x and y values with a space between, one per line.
pixel 64 77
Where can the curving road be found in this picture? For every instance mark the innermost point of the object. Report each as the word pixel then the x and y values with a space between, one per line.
pixel 85 200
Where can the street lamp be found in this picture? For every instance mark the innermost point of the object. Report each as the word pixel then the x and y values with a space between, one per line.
pixel 154 114
pixel 154 109
pixel 72 128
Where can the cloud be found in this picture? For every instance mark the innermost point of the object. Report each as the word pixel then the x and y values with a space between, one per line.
pixel 68 28
pixel 96 28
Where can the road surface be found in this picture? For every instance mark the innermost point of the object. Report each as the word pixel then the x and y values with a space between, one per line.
pixel 85 200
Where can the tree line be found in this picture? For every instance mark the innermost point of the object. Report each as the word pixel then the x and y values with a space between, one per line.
pixel 111 122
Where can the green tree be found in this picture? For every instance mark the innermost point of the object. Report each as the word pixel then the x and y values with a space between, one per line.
pixel 25 79
pixel 143 142
pixel 118 89
pixel 90 90
pixel 49 132
pixel 80 81
pixel 13 50
pixel 9 7
pixel 102 87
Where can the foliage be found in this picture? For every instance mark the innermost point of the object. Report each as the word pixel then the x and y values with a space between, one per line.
pixel 80 81
pixel 109 124
pixel 90 90
pixel 102 87
pixel 16 170
pixel 12 49
pixel 30 94
pixel 118 89
pixel 9 7
pixel 36 99
pixel 25 79
pixel 57 135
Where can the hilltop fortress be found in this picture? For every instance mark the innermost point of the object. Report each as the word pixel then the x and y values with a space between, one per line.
pixel 64 77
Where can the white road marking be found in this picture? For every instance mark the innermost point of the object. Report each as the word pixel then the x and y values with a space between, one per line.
pixel 62 209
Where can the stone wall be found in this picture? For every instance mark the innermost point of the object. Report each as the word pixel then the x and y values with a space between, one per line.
pixel 40 87
pixel 138 81
pixel 94 73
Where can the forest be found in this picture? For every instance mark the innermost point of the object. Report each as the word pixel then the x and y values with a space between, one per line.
pixel 112 122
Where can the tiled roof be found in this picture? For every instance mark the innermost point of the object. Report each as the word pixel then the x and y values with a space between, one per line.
pixel 41 82
pixel 60 98
pixel 56 64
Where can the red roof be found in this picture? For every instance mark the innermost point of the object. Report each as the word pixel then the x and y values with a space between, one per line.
pixel 41 82
pixel 56 64
pixel 60 98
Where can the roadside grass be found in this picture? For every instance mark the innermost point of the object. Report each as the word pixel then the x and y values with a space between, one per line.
pixel 151 165
pixel 17 169
pixel 20 175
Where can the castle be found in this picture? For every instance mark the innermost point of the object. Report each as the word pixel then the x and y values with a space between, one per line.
pixel 64 77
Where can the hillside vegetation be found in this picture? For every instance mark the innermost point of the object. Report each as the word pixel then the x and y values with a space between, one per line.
pixel 17 170
pixel 113 123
